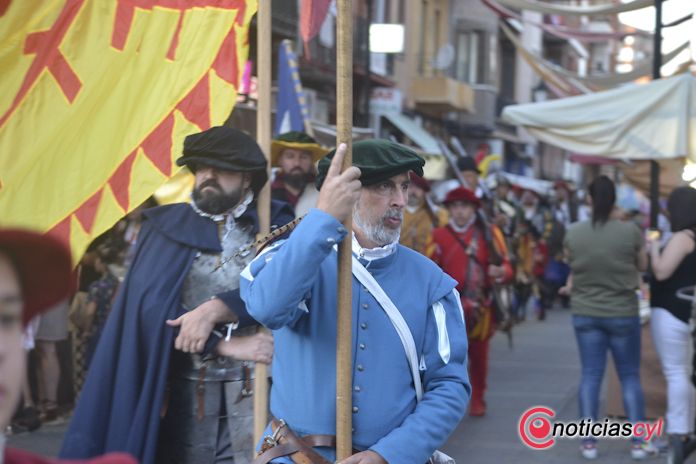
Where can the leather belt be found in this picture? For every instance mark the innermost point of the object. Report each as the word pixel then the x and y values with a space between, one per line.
pixel 284 442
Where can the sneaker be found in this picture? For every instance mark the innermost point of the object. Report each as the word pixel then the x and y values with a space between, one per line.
pixel 640 451
pixel 589 451
pixel 27 419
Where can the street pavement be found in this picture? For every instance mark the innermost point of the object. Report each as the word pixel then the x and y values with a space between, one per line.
pixel 542 369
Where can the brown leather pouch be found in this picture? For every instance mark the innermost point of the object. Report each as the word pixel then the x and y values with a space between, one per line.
pixel 284 442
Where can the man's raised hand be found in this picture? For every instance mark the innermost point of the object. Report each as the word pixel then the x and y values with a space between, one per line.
pixel 341 190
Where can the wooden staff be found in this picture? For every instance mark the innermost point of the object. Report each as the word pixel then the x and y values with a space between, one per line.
pixel 263 137
pixel 344 134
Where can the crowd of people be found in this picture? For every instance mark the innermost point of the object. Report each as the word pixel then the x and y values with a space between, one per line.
pixel 165 323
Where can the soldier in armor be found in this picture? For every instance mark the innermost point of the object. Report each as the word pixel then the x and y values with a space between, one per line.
pixel 193 403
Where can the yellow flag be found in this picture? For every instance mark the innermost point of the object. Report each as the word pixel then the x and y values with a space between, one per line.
pixel 97 97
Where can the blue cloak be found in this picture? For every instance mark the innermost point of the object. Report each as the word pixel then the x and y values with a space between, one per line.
pixel 119 407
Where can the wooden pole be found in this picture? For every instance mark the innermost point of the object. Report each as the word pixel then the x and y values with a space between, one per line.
pixel 263 137
pixel 344 133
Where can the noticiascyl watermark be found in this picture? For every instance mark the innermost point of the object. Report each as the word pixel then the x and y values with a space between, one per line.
pixel 538 431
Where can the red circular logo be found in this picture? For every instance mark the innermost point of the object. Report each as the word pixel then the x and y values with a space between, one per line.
pixel 535 427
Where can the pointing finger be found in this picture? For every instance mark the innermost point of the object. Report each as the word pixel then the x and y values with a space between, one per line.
pixel 337 161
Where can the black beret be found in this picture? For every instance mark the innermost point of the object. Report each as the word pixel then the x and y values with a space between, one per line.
pixel 228 149
pixel 467 163
pixel 378 160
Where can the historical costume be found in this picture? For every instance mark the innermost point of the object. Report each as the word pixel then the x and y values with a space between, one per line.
pixel 292 289
pixel 466 252
pixel 295 188
pixel 143 397
pixel 420 216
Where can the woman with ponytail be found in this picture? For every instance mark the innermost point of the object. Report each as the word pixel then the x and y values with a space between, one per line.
pixel 606 257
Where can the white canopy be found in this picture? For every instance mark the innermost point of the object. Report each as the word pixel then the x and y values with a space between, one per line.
pixel 656 120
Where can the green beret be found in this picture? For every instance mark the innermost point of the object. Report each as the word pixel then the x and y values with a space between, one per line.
pixel 378 160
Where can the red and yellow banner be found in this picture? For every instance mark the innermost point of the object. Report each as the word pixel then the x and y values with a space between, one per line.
pixel 97 97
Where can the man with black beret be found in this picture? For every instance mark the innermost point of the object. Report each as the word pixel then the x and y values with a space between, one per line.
pixel 388 427
pixel 470 171
pixel 162 385
pixel 295 154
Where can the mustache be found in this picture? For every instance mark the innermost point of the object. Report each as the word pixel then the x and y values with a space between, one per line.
pixel 394 214
pixel 209 183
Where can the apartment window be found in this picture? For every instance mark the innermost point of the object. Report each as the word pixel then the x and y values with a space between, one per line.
pixel 471 57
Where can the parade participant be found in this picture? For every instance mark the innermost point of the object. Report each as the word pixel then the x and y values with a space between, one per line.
pixel 420 216
pixel 505 210
pixel 565 207
pixel 551 232
pixel 532 258
pixel 292 289
pixel 143 397
pixel 462 250
pixel 35 274
pixel 470 172
pixel 535 213
pixel 295 153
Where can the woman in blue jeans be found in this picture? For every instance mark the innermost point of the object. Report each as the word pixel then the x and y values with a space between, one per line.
pixel 606 257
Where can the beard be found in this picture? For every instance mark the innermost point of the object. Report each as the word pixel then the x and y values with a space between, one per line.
pixel 297 179
pixel 414 201
pixel 218 202
pixel 377 232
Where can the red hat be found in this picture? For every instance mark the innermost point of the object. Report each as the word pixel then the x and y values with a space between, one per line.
pixel 419 181
pixel 561 184
pixel 44 268
pixel 533 192
pixel 462 194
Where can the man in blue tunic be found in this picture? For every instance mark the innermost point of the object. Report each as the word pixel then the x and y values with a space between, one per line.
pixel 292 289
pixel 191 404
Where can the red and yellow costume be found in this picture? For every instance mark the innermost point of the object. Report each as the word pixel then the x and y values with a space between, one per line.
pixel 464 254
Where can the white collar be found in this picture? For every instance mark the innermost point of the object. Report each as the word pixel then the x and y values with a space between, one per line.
pixel 370 254
pixel 461 230
pixel 412 209
pixel 228 216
